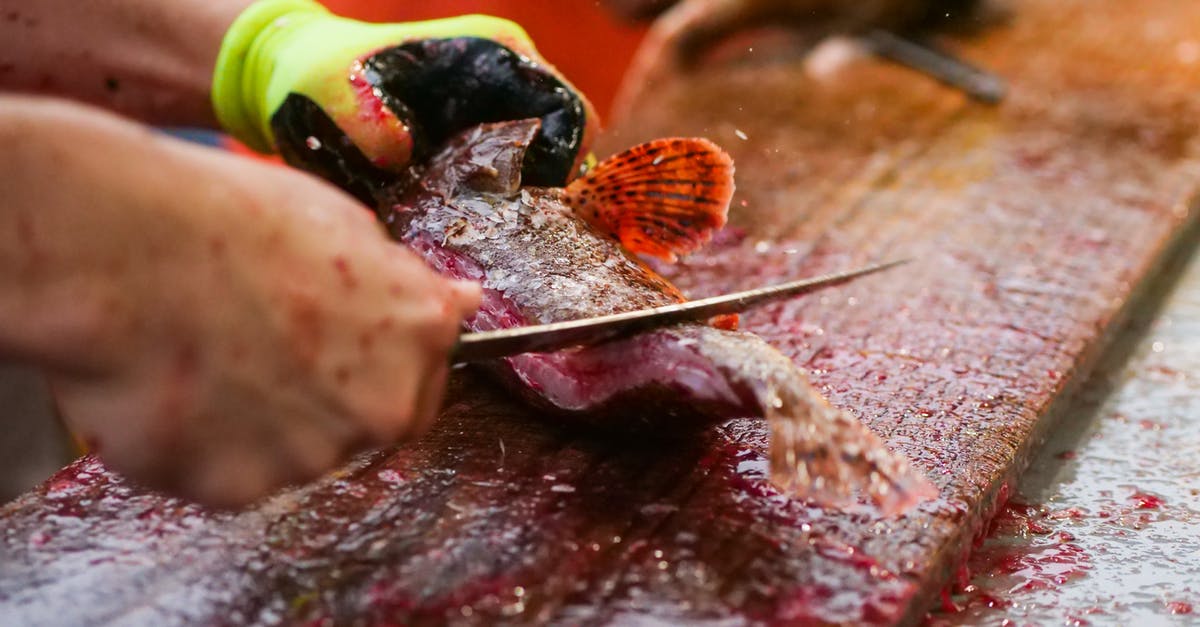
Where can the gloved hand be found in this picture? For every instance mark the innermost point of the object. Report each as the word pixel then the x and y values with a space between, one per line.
pixel 357 103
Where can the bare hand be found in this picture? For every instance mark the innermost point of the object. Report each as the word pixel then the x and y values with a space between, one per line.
pixel 233 326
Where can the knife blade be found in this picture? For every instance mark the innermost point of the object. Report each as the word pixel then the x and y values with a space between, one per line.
pixel 543 338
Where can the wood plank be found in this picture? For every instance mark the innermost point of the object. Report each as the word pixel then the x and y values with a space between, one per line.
pixel 1104 525
pixel 1034 224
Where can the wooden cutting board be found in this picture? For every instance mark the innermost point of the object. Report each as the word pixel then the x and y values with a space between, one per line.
pixel 1033 225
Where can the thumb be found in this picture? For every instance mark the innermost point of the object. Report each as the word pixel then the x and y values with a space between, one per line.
pixel 466 295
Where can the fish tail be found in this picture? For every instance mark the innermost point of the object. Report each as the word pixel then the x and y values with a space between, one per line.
pixel 821 453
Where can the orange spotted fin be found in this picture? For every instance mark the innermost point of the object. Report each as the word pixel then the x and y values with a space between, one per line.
pixel 662 198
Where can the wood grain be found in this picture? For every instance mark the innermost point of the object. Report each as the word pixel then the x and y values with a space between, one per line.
pixel 1033 224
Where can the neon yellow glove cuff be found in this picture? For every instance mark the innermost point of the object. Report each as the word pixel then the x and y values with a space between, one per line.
pixel 241 77
pixel 279 47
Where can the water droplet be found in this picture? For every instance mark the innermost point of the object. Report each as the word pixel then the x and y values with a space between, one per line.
pixel 313 143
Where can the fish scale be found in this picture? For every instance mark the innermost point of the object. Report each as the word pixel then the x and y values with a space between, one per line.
pixel 689 374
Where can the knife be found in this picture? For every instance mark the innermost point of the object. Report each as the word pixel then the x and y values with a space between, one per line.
pixel 543 338
pixel 940 65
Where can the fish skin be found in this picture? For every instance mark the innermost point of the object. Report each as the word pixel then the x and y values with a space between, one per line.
pixel 538 262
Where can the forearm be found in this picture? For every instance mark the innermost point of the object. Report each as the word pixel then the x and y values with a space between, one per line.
pixel 68 232
pixel 150 59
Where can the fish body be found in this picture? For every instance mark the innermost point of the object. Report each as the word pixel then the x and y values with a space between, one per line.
pixel 540 262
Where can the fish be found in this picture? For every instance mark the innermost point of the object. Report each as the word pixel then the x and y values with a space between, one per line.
pixel 542 255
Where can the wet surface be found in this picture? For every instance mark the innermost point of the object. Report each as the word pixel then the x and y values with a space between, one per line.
pixel 910 165
pixel 1105 526
pixel 1034 225
pixel 539 263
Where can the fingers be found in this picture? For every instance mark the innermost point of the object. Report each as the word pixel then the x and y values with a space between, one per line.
pixel 429 399
pixel 440 87
pixel 311 444
pixel 231 476
pixel 467 296
pixel 430 314
pixel 271 393
pixel 308 138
